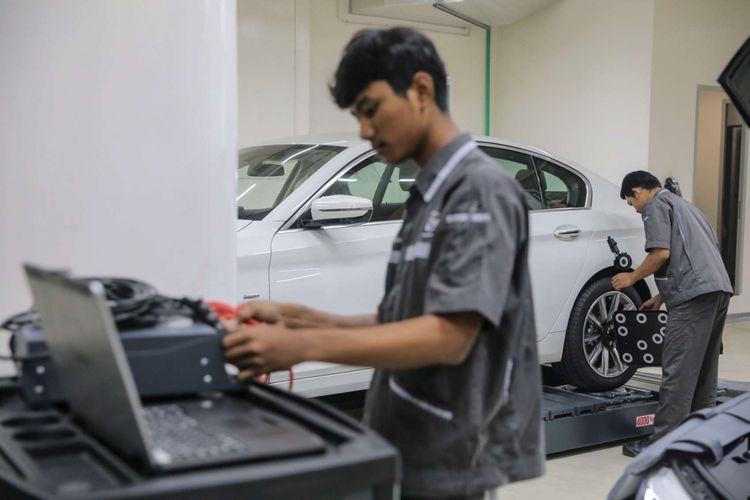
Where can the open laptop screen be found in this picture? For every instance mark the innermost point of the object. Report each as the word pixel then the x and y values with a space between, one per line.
pixel 91 362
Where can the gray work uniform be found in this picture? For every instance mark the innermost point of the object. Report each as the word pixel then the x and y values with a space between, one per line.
pixel 696 289
pixel 463 429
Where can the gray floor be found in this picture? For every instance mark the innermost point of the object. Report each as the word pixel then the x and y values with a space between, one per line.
pixel 591 473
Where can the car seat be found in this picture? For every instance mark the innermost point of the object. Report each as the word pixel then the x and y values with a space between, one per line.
pixel 528 181
pixel 407 174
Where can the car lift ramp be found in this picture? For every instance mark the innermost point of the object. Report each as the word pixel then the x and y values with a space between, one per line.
pixel 574 419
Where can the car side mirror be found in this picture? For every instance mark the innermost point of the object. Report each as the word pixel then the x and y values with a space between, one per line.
pixel 338 209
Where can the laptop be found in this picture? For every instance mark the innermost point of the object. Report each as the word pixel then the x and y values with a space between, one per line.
pixel 160 436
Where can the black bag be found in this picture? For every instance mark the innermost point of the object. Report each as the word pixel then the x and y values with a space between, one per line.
pixel 705 457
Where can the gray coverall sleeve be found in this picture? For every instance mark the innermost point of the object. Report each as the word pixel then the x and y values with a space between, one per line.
pixel 657 223
pixel 477 242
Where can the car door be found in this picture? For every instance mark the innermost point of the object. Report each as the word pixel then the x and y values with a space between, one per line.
pixel 560 227
pixel 341 268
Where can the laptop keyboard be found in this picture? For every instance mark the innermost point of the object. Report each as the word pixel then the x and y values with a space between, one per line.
pixel 179 438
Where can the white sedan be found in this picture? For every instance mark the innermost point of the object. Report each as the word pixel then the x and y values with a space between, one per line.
pixel 317 216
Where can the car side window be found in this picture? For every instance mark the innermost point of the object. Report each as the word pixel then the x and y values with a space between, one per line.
pixel 377 181
pixel 521 167
pixel 562 188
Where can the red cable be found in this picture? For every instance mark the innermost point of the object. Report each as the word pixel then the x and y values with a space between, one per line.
pixel 225 311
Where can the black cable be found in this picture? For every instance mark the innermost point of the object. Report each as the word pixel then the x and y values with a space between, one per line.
pixel 134 304
pixel 19 320
pixel 130 301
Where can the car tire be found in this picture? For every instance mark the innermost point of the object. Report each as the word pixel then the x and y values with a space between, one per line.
pixel 590 359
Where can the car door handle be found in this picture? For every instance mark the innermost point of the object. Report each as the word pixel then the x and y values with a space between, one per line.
pixel 566 233
pixel 249 296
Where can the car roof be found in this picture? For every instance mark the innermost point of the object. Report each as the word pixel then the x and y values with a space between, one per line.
pixel 343 139
pixel 352 140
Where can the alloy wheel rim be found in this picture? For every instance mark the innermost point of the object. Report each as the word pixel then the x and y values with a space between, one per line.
pixel 599 344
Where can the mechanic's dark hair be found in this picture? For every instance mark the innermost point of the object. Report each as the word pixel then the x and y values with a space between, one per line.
pixel 393 55
pixel 638 179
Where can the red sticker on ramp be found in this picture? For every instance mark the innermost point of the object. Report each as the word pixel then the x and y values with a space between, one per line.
pixel 644 420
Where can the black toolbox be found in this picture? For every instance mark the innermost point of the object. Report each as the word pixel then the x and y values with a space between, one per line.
pixel 46 454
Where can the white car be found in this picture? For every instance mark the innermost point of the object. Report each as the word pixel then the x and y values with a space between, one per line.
pixel 317 216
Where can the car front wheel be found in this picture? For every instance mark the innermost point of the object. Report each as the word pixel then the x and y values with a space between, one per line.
pixel 590 359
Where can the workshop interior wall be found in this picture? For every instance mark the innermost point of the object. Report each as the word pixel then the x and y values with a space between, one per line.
pixel 288 52
pixel 118 143
pixel 574 79
pixel 266 70
pixel 693 42
pixel 463 57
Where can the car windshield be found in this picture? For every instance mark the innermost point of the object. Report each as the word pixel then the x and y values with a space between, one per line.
pixel 268 174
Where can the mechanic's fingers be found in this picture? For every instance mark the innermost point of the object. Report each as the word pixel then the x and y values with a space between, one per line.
pixel 247 375
pixel 240 351
pixel 234 339
pixel 230 325
pixel 242 361
pixel 264 310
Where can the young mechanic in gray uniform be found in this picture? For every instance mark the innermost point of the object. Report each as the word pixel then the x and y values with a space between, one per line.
pixel 683 256
pixel 457 387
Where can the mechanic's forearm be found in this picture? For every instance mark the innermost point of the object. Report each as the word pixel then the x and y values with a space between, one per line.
pixel 299 316
pixel 422 341
pixel 655 259
pixel 356 320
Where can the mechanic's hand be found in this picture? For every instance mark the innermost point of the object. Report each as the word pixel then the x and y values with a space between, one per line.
pixel 230 324
pixel 622 280
pixel 262 348
pixel 288 314
pixel 652 304
pixel 266 311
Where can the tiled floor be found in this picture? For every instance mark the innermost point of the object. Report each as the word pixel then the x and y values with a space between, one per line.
pixel 591 473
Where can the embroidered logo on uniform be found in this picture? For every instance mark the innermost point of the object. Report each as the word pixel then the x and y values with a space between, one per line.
pixel 432 222
pixel 470 217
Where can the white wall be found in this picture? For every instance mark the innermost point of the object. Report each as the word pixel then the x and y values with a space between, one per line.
pixel 574 79
pixel 693 41
pixel 266 69
pixel 118 143
pixel 288 52
pixel 463 57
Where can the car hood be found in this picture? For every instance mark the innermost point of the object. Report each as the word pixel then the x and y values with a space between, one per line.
pixel 242 224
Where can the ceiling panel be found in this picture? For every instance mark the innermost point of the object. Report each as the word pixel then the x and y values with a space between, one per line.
pixel 492 12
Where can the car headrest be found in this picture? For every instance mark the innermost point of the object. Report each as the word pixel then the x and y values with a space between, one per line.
pixel 407 174
pixel 527 179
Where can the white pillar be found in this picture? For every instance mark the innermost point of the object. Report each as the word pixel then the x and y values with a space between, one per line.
pixel 118 143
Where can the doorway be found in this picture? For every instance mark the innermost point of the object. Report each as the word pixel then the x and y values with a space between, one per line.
pixel 719 172
pixel 730 188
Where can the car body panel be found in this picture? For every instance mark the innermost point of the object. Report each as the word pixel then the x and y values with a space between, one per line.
pixel 324 268
pixel 341 268
pixel 546 253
